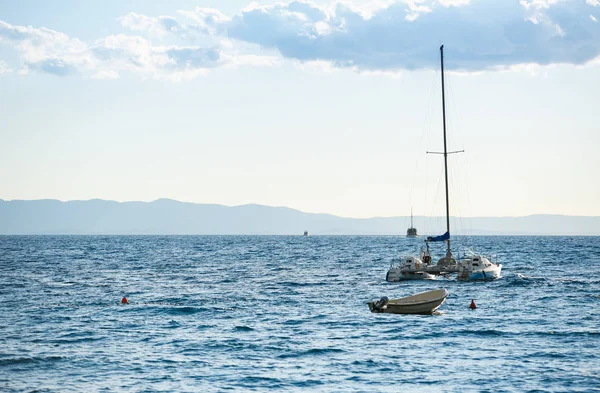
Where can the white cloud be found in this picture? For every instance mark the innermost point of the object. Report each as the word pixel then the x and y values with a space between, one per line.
pixel 317 65
pixel 415 10
pixel 107 58
pixel 388 35
pixel 455 3
pixel 47 50
pixel 206 20
pixel 382 36
pixel 482 35
pixel 159 26
pixel 4 68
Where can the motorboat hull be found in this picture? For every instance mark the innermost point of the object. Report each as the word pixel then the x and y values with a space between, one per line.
pixel 487 274
pixel 411 268
pixel 396 276
pixel 425 303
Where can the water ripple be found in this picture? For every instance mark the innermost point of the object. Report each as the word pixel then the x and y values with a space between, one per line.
pixel 246 313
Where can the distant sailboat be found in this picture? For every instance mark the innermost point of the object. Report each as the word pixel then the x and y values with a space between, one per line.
pixel 412 231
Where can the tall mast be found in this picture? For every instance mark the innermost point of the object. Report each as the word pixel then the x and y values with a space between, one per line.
pixel 411 223
pixel 448 252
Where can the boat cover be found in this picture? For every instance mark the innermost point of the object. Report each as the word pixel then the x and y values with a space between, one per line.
pixel 441 238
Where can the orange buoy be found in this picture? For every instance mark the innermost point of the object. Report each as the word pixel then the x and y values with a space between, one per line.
pixel 472 306
pixel 124 300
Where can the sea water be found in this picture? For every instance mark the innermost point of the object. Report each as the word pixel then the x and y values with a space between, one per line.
pixel 262 313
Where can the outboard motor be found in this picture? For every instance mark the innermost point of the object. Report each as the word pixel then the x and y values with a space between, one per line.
pixel 381 303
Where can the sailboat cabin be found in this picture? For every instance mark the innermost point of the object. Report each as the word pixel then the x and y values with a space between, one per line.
pixel 412 232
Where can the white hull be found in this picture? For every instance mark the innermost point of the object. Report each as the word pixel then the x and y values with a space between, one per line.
pixel 395 275
pixel 478 268
pixel 422 303
pixel 481 275
pixel 399 273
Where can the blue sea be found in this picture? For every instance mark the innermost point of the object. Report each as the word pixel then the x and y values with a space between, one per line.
pixel 285 314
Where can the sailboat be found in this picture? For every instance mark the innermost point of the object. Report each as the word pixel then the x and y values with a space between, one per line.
pixel 412 231
pixel 471 267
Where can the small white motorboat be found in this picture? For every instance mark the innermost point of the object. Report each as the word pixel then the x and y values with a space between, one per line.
pixel 411 268
pixel 408 268
pixel 424 303
pixel 476 268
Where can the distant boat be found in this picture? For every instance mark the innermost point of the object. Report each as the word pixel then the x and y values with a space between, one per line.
pixel 424 303
pixel 412 231
pixel 306 233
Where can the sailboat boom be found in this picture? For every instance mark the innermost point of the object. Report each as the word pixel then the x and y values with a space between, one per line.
pixel 450 152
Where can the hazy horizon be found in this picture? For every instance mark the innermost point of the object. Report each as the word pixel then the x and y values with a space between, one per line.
pixel 167 216
pixel 284 207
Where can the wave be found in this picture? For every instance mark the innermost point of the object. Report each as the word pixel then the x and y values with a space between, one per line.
pixel 530 278
pixel 26 360
pixel 75 340
pixel 311 352
pixel 305 284
pixel 185 310
pixel 243 329
pixel 521 280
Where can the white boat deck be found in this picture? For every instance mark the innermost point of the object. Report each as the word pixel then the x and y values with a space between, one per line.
pixel 433 269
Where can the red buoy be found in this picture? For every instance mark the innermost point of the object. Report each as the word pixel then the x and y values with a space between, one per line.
pixel 472 306
pixel 124 300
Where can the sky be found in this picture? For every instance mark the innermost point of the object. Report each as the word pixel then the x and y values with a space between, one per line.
pixel 321 106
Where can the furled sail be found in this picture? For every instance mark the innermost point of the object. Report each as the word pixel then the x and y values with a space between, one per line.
pixel 441 238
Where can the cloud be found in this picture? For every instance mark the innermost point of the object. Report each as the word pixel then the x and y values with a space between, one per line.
pixel 55 53
pixel 4 68
pixel 404 34
pixel 479 35
pixel 206 20
pixel 47 50
pixel 159 26
pixel 382 36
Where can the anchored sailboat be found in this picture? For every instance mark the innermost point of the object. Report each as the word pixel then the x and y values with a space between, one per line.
pixel 412 231
pixel 472 267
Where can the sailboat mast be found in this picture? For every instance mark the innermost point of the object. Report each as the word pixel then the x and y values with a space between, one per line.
pixel 448 253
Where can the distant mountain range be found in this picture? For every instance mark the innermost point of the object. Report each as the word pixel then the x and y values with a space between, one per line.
pixel 166 216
